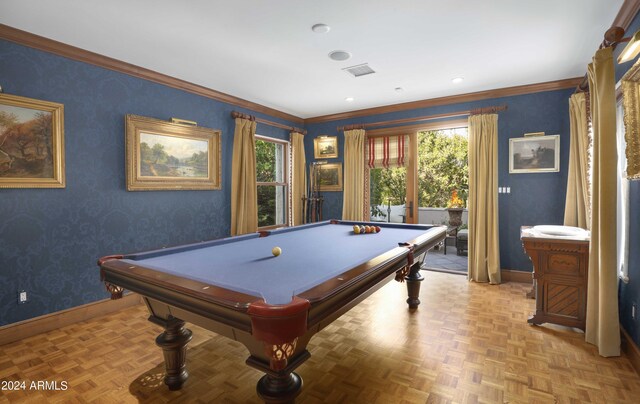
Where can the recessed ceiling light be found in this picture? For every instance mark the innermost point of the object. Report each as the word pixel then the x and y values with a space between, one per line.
pixel 349 99
pixel 320 28
pixel 457 80
pixel 339 55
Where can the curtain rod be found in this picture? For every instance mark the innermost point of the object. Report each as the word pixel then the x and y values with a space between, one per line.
pixel 476 111
pixel 236 114
pixel 612 37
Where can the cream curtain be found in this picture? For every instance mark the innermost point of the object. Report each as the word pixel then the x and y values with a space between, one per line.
pixel 484 250
pixel 576 209
pixel 353 195
pixel 602 328
pixel 298 177
pixel 244 199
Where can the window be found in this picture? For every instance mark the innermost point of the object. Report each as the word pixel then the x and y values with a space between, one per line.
pixel 272 176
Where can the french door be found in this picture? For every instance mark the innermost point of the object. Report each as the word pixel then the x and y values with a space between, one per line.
pixel 386 209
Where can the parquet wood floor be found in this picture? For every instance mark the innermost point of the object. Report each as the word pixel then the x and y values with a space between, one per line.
pixel 467 343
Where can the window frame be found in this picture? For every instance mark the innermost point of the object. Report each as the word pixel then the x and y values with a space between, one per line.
pixel 287 184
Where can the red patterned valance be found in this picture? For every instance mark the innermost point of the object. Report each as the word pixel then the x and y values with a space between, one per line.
pixel 387 151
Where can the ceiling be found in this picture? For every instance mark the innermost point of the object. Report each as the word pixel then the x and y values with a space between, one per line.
pixel 266 52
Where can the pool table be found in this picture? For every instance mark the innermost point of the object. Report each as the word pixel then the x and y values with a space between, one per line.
pixel 272 304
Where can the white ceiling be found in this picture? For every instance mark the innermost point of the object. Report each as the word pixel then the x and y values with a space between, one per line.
pixel 265 52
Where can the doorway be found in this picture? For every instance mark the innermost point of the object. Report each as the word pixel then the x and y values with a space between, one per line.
pixel 420 191
pixel 443 186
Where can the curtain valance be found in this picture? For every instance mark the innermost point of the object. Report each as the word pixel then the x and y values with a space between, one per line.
pixel 387 151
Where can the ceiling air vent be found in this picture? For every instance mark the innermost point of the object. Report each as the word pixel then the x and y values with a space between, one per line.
pixel 359 70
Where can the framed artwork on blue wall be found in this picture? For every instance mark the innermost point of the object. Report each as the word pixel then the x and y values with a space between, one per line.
pixel 31 143
pixel 534 154
pixel 329 177
pixel 325 147
pixel 163 155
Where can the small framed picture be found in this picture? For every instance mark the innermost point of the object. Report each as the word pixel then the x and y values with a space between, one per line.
pixel 329 177
pixel 164 155
pixel 325 147
pixel 31 143
pixel 534 154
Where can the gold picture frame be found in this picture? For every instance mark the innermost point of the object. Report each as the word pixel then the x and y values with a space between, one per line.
pixel 163 155
pixel 631 105
pixel 329 177
pixel 325 147
pixel 31 143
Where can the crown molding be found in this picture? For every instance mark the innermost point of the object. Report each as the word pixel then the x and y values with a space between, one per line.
pixel 61 49
pixel 48 45
pixel 454 99
pixel 627 12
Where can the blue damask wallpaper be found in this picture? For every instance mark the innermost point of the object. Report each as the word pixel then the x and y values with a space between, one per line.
pixel 534 198
pixel 50 239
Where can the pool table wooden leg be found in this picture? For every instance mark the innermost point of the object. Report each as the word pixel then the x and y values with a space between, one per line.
pixel 173 342
pixel 279 386
pixel 279 389
pixel 413 285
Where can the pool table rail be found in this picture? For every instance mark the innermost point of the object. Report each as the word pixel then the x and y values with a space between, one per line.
pixel 125 274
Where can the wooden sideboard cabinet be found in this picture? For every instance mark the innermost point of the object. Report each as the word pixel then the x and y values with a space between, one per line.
pixel 560 274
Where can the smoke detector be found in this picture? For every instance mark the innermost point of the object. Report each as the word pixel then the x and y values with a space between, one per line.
pixel 339 55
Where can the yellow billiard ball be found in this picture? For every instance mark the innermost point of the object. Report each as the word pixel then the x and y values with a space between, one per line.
pixel 276 251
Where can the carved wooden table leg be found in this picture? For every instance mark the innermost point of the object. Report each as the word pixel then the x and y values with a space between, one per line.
pixel 532 293
pixel 282 388
pixel 279 386
pixel 413 285
pixel 173 342
pixel 536 293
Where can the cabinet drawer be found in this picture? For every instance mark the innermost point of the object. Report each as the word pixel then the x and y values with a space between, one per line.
pixel 560 263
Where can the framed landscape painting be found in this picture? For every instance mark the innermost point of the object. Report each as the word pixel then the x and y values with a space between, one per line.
pixel 164 155
pixel 325 147
pixel 330 177
pixel 31 143
pixel 534 154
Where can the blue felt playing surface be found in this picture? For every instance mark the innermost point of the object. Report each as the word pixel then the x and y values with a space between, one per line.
pixel 310 256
